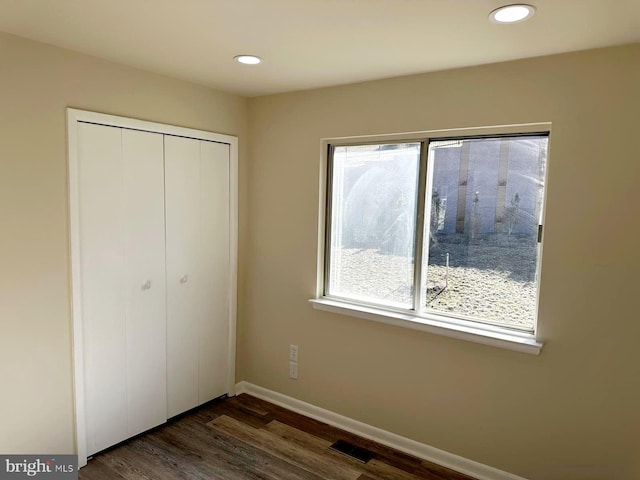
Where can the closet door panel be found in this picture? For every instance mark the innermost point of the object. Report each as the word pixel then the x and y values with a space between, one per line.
pixel 103 294
pixel 182 180
pixel 214 265
pixel 143 164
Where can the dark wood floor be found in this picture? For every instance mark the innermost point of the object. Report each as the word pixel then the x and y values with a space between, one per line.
pixel 244 438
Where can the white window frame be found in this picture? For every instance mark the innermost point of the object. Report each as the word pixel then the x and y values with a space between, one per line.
pixel 439 324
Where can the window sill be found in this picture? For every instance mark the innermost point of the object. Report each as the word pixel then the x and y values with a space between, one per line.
pixel 493 336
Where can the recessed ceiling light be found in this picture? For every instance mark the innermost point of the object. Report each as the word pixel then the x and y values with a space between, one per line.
pixel 512 13
pixel 248 59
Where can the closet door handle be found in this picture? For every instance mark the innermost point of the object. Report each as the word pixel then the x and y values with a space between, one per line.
pixel 184 279
pixel 146 285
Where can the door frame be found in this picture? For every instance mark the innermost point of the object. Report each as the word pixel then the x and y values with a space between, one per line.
pixel 75 117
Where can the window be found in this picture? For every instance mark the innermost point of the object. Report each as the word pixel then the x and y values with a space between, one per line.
pixel 444 228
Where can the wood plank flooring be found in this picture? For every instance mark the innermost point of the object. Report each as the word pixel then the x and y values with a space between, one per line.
pixel 245 438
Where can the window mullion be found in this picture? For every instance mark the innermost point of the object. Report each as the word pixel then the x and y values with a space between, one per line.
pixel 428 203
pixel 420 228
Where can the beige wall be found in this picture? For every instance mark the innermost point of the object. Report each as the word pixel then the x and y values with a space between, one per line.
pixel 571 413
pixel 37 83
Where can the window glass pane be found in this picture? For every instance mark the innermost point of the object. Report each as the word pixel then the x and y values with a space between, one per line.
pixel 372 223
pixel 484 205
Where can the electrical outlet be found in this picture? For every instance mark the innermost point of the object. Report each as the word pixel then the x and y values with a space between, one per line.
pixel 293 370
pixel 293 353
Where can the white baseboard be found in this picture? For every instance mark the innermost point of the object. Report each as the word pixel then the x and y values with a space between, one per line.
pixel 403 444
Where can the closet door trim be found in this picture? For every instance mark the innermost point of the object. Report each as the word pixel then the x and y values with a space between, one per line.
pixel 74 118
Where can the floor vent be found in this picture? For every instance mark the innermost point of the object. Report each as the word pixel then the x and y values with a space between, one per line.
pixel 361 454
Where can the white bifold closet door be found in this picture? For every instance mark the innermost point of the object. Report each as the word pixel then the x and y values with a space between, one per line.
pixel 122 256
pixel 198 256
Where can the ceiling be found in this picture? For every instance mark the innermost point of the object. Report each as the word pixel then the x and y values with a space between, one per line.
pixel 313 43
